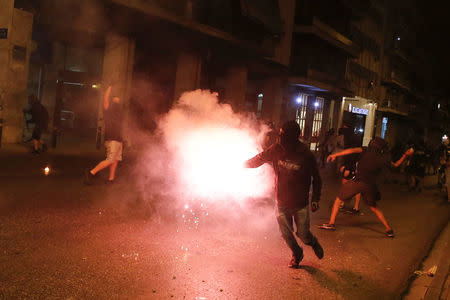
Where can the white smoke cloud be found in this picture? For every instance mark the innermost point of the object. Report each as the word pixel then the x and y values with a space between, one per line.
pixel 198 162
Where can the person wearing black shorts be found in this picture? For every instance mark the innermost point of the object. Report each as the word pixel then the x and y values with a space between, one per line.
pixel 39 116
pixel 373 159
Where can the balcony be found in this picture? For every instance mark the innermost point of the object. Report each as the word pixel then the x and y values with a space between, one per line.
pixel 204 18
pixel 396 81
pixel 317 28
pixel 307 73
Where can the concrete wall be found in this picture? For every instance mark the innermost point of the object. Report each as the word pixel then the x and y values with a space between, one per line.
pixel 14 64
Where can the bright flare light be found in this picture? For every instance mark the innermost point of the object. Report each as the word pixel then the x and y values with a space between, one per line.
pixel 46 170
pixel 212 163
pixel 210 144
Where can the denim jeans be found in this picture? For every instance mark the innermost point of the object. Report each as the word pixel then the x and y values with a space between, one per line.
pixel 286 218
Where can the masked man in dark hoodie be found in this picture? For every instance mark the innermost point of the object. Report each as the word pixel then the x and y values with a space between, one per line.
pixel 295 169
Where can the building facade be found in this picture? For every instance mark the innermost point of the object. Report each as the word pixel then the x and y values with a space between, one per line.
pixel 319 62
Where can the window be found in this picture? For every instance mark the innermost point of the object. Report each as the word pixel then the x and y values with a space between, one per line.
pixel 19 53
pixel 384 127
pixel 318 115
pixel 300 116
pixel 3 33
pixel 260 103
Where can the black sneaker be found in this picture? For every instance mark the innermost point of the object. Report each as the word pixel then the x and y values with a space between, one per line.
pixel 342 207
pixel 355 212
pixel 294 263
pixel 35 152
pixel 390 233
pixel 107 181
pixel 327 226
pixel 88 177
pixel 318 250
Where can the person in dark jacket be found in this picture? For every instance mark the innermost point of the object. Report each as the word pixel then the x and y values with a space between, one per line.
pixel 295 169
pixel 373 160
pixel 39 117
pixel 416 167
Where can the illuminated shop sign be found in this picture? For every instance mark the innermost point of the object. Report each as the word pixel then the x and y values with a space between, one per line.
pixel 360 111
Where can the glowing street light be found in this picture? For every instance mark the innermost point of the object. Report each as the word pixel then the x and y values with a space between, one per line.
pixel 299 100
pixel 46 170
pixel 316 104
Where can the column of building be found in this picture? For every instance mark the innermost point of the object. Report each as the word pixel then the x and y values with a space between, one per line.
pixel 273 98
pixel 188 74
pixel 117 71
pixel 236 86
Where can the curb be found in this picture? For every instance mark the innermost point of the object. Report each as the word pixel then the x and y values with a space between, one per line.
pixel 436 287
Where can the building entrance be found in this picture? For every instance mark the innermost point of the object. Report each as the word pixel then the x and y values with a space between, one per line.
pixel 359 122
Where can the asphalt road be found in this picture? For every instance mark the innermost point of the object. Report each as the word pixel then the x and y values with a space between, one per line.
pixel 61 239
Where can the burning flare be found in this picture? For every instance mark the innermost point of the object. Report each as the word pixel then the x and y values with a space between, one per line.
pixel 209 144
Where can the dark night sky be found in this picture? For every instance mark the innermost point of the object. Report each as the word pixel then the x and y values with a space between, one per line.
pixel 435 40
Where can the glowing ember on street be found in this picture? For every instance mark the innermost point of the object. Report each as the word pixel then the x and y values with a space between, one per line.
pixel 209 144
pixel 47 170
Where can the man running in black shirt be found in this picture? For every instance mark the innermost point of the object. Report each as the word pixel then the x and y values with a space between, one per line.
pixel 295 166
pixel 113 138
pixel 373 159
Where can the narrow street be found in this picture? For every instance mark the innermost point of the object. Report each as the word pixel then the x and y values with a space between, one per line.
pixel 61 239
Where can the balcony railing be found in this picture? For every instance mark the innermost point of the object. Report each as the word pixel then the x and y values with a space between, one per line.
pixel 396 80
pixel 328 78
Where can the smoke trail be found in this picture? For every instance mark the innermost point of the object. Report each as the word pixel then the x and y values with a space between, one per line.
pixel 200 164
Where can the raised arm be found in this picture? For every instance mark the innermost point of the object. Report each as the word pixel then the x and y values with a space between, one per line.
pixel 261 158
pixel 106 98
pixel 348 151
pixel 258 160
pixel 408 152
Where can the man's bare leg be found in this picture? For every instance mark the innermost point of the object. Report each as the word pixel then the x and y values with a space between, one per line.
pixel 35 145
pixel 335 210
pixel 357 200
pixel 101 165
pixel 112 170
pixel 381 217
